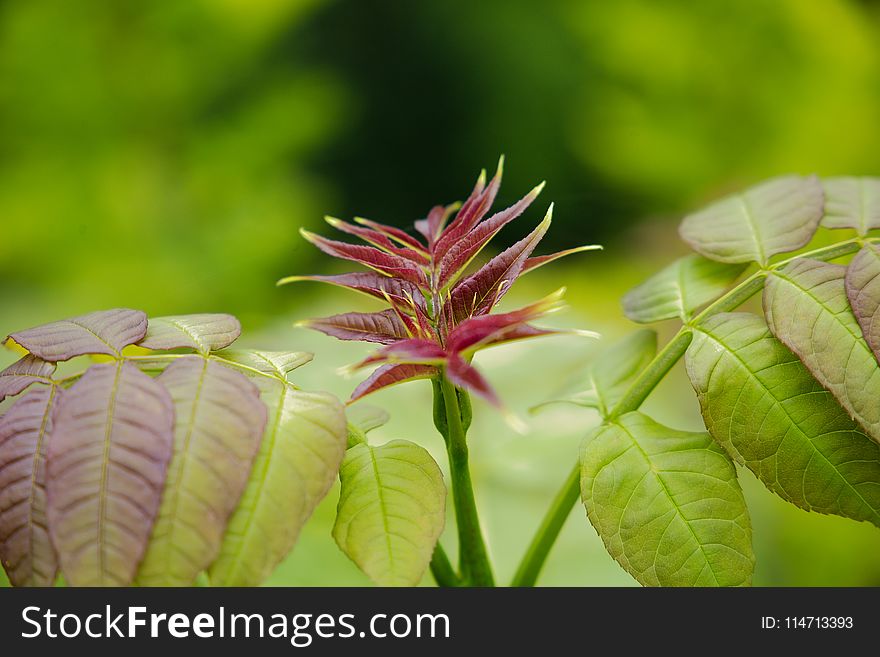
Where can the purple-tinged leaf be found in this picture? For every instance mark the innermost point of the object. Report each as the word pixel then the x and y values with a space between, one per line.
pixel 472 211
pixel 371 257
pixel 202 332
pixel 384 327
pixel 539 261
pixel 370 283
pixel 416 351
pixel 22 373
pixel 219 423
pixel 863 292
pixel 852 202
pixel 379 240
pixel 464 375
pixel 478 294
pixel 25 548
pixel 276 363
pixel 431 227
pixel 102 332
pixel 390 375
pixel 401 237
pixel 106 464
pixel 462 252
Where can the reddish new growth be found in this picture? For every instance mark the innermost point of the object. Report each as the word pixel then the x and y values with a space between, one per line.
pixel 437 317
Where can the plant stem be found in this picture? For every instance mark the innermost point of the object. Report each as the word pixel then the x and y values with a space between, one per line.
pixel 536 555
pixel 473 557
pixel 441 568
pixel 650 377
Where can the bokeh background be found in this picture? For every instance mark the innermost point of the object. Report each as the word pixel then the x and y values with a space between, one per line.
pixel 162 155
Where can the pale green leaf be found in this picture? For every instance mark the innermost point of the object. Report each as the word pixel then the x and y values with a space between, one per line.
pixel 667 504
pixel 806 307
pixel 680 288
pixel 614 369
pixel 774 217
pixel 761 403
pixel 362 419
pixel 299 458
pixel 852 202
pixel 391 510
pixel 276 363
pixel 204 332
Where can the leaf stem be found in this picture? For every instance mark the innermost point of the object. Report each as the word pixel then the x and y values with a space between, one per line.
pixel 473 556
pixel 441 568
pixel 641 388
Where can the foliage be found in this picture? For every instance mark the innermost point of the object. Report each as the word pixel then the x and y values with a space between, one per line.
pixel 790 396
pixel 112 475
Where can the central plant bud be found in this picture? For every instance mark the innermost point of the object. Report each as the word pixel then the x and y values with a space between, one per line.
pixel 440 313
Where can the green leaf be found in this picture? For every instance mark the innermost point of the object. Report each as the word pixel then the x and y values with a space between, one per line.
pixel 862 284
pixel 852 202
pixel 611 374
pixel 362 419
pixel 761 403
pixel 204 332
pixel 219 421
pixel 806 307
pixel 276 363
pixel 667 504
pixel 774 217
pixel 391 510
pixel 679 289
pixel 299 457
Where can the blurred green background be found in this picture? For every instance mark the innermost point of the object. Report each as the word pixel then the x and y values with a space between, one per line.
pixel 162 155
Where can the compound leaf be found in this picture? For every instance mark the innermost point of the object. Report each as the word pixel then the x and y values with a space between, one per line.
pixel 299 457
pixel 391 510
pixel 774 217
pixel 204 332
pixel 667 504
pixel 852 202
pixel 106 462
pixel 25 548
pixel 276 363
pixel 862 283
pixel 102 332
pixel 679 289
pixel 806 307
pixel 761 403
pixel 24 372
pixel 218 425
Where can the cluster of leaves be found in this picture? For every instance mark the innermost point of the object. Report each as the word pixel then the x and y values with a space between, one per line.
pixel 792 395
pixel 156 468
pixel 438 317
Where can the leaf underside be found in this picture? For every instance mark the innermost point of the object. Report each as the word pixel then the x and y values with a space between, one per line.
pixel 391 510
pixel 852 202
pixel 806 307
pixel 299 457
pixel 761 403
pixel 203 332
pixel 102 332
pixel 25 548
pixel 219 422
pixel 667 504
pixel 774 217
pixel 22 373
pixel 106 464
pixel 679 289
pixel 862 284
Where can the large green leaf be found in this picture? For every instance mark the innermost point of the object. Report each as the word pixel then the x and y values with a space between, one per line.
pixel 106 462
pixel 852 202
pixel 680 288
pixel 761 403
pixel 667 504
pixel 299 457
pixel 806 307
pixel 614 369
pixel 25 548
pixel 391 510
pixel 862 284
pixel 219 420
pixel 774 217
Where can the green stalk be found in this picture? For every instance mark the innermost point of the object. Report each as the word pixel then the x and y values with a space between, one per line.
pixel 473 556
pixel 441 568
pixel 650 377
